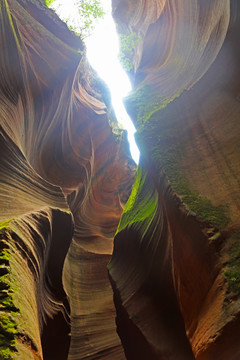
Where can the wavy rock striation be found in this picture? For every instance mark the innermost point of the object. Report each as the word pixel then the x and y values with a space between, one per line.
pixel 65 177
pixel 175 265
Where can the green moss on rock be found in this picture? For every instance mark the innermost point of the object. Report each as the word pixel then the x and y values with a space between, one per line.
pixel 8 310
pixel 7 353
pixel 142 203
pixel 202 206
pixel 232 272
pixel 4 224
pixel 145 102
pixel 167 149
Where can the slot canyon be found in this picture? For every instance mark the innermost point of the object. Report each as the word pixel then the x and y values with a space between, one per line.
pixel 101 258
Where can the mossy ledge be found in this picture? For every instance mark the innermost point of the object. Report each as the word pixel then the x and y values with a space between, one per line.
pixel 8 310
pixel 167 154
pixel 146 102
pixel 197 203
pixel 232 272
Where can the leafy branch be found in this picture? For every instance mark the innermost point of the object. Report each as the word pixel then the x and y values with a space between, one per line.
pixel 128 44
pixel 87 13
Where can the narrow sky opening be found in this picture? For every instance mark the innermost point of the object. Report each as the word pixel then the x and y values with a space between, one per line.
pixel 102 52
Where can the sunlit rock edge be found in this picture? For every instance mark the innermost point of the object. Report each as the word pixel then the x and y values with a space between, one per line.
pixel 65 179
pixel 180 225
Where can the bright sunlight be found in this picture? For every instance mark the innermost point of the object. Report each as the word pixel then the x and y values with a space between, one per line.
pixel 102 52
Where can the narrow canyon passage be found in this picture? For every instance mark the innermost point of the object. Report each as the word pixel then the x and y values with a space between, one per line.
pixel 101 258
pixel 104 53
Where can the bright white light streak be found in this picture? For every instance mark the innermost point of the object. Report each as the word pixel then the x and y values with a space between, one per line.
pixel 102 52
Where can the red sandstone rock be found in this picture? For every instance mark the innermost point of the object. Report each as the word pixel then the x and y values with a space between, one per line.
pixel 174 269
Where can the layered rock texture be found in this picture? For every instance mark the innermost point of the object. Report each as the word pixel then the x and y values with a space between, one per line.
pixel 175 265
pixel 65 177
pixel 167 285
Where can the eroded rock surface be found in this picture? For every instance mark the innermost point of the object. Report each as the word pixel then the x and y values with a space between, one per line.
pixel 178 286
pixel 65 177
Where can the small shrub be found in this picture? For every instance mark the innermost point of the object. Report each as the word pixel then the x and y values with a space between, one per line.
pixel 127 46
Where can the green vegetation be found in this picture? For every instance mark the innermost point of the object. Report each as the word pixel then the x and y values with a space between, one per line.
pixel 8 331
pixel 6 353
pixel 4 224
pixel 87 14
pixel 49 2
pixel 168 152
pixel 8 311
pixel 145 102
pixel 128 44
pixel 89 11
pixel 232 273
pixel 142 203
pixel 202 206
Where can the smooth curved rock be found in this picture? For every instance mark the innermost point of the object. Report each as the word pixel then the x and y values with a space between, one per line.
pixel 59 155
pixel 65 178
pixel 189 158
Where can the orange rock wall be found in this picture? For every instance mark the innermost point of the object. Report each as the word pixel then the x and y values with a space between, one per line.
pixel 65 178
pixel 59 152
pixel 186 109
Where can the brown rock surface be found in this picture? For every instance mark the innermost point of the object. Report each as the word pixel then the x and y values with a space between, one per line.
pixel 190 138
pixel 58 151
pixel 65 177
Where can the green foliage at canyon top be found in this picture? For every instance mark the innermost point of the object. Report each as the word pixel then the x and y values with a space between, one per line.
pixel 88 12
pixel 128 44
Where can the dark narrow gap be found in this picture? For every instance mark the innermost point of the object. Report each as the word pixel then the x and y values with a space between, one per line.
pixel 56 337
pixel 56 331
pixel 133 341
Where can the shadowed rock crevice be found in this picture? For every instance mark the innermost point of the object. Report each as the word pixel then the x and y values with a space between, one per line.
pixel 74 214
pixel 55 336
pixel 182 109
pixel 146 292
pixel 61 164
